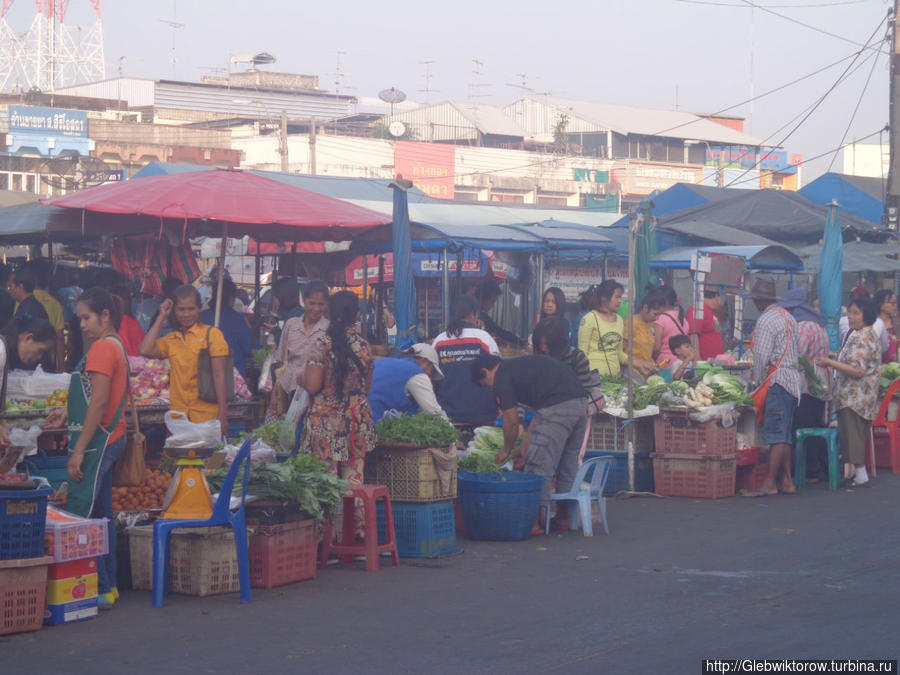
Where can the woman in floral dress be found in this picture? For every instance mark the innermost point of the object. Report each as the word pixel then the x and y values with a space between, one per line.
pixel 338 428
pixel 858 369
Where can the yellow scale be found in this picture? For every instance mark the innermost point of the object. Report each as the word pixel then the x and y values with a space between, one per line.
pixel 188 496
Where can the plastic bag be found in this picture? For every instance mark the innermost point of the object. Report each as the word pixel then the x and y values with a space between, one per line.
pixel 25 440
pixel 187 434
pixel 266 382
pixel 288 435
pixel 726 412
pixel 260 451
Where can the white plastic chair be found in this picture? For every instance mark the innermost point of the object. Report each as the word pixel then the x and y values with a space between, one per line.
pixel 599 468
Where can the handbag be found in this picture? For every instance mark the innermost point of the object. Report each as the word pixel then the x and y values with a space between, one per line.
pixel 206 386
pixel 128 470
pixel 759 394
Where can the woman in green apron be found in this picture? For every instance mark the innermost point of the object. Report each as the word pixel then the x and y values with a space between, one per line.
pixel 97 397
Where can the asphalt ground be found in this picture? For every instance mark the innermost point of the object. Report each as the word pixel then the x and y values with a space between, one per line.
pixel 811 575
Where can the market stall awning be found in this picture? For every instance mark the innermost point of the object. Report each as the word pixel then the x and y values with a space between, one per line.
pixel 757 257
pixel 250 204
pixel 858 256
pixel 37 224
pixel 860 196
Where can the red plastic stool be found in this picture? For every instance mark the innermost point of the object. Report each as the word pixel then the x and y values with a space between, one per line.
pixel 370 548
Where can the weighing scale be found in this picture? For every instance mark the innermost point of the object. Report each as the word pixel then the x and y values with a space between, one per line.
pixel 188 497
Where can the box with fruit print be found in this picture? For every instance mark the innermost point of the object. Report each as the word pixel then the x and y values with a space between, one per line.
pixel 62 591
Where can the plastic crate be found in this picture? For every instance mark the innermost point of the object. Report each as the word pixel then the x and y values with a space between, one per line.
pixel 603 434
pixel 499 506
pixel 618 475
pixel 752 477
pixel 283 554
pixel 883 450
pixel 23 514
pixel 422 530
pixel 678 433
pixel 748 456
pixel 77 539
pixel 408 472
pixel 23 594
pixel 202 560
pixel 698 476
pixel 53 468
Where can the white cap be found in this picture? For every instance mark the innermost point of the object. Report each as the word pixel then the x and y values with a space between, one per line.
pixel 426 351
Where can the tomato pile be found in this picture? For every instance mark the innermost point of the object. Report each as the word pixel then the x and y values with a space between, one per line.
pixel 150 495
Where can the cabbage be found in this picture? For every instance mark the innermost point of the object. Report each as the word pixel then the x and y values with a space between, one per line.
pixel 655 380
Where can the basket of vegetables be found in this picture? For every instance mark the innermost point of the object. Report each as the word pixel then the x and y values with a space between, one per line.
pixel 415 458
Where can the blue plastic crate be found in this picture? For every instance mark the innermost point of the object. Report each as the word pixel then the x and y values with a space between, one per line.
pixel 499 506
pixel 423 530
pixel 618 475
pixel 53 468
pixel 23 516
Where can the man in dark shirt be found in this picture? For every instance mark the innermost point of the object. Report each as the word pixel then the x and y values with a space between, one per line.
pixel 21 288
pixel 487 293
pixel 551 388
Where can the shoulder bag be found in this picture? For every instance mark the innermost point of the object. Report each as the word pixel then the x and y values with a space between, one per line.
pixel 762 391
pixel 206 386
pixel 128 471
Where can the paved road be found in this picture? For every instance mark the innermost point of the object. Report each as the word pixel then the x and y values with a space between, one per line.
pixel 815 575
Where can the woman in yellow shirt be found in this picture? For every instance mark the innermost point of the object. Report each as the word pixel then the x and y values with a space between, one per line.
pixel 647 335
pixel 601 331
pixel 182 348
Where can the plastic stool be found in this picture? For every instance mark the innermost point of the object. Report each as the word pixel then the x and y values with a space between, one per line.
pixel 370 548
pixel 833 442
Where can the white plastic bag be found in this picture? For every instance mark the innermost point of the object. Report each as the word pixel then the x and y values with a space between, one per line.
pixel 265 382
pixel 288 435
pixel 260 451
pixel 187 434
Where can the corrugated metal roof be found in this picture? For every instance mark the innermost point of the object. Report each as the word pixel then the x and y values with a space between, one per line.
pixel 626 120
pixel 451 120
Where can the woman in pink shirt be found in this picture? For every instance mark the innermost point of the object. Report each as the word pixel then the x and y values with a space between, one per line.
pixel 672 323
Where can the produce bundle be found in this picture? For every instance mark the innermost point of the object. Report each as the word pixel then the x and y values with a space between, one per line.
pixel 423 429
pixel 150 379
pixel 889 373
pixel 817 387
pixel 303 480
pixel 58 399
pixel 150 495
pixel 484 449
pixel 713 389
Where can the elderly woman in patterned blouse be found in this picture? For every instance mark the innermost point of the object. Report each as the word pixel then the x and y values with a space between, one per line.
pixel 856 392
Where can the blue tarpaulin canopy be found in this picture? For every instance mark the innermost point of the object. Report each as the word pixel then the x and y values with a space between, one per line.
pixel 684 196
pixel 859 196
pixel 757 257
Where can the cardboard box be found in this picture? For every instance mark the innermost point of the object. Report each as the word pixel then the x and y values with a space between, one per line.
pixel 71 590
pixel 75 568
pixel 70 611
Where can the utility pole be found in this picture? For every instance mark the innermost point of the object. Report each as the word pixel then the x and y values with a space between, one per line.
pixel 283 141
pixel 892 200
pixel 312 145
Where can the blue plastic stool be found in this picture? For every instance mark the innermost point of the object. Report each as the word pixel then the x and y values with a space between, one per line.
pixel 833 441
pixel 601 467
pixel 222 515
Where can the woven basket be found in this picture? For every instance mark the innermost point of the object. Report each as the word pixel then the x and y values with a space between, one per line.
pixel 409 473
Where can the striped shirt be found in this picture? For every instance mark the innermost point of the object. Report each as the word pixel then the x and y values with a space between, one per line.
pixel 814 346
pixel 776 339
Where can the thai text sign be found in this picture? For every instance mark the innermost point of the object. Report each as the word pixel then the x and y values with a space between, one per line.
pixel 430 166
pixel 47 121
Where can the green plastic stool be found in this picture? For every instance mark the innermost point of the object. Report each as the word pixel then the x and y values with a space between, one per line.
pixel 833 441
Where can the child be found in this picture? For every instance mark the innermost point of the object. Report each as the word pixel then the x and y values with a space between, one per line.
pixel 683 366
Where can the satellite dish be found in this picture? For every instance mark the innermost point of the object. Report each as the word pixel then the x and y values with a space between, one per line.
pixel 72 171
pixel 397 128
pixel 263 58
pixel 392 96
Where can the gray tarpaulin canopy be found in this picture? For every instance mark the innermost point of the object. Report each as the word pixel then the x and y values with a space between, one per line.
pixel 38 224
pixel 859 256
pixel 757 257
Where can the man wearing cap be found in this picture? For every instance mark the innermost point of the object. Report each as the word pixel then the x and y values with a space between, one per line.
pixel 776 354
pixel 405 385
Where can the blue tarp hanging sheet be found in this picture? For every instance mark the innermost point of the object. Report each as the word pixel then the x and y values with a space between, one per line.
pixel 830 286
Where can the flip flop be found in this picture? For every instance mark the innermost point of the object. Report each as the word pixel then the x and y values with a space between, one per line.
pixel 535 531
pixel 754 493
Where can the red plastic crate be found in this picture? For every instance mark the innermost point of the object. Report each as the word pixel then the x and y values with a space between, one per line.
pixel 752 477
pixel 883 450
pixel 748 456
pixel 676 432
pixel 283 554
pixel 698 476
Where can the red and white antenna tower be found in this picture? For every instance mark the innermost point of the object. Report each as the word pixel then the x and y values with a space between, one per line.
pixel 50 54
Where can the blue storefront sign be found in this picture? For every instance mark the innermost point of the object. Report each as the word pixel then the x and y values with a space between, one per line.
pixel 48 121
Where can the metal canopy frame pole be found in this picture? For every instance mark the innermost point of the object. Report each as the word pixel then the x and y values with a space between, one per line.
pixel 635 223
pixel 445 290
pixel 220 272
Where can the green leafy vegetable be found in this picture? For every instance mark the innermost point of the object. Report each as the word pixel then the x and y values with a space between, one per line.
pixel 259 356
pixel 816 385
pixel 425 430
pixel 484 448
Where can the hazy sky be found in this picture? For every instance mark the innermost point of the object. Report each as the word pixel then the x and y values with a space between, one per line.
pixel 634 52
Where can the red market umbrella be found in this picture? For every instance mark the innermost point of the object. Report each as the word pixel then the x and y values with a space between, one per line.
pixel 250 204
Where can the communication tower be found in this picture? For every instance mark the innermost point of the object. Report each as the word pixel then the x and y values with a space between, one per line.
pixel 50 54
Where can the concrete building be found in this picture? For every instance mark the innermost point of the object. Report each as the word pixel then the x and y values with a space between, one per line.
pixel 870 160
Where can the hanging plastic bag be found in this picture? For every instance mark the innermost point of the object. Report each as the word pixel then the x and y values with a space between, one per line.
pixel 187 434
pixel 288 434
pixel 266 382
